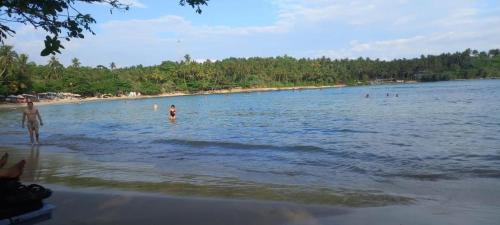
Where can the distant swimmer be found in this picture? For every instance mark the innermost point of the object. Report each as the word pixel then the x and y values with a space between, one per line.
pixel 33 116
pixel 155 107
pixel 367 95
pixel 387 95
pixel 172 112
pixel 397 95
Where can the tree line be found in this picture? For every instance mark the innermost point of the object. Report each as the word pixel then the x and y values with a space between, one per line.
pixel 19 75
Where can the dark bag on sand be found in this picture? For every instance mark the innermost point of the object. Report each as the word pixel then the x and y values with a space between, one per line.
pixel 16 198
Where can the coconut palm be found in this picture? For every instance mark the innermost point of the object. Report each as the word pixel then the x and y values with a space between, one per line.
pixel 55 68
pixel 75 62
pixel 7 61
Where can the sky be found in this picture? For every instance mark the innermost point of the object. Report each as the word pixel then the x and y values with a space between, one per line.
pixel 153 31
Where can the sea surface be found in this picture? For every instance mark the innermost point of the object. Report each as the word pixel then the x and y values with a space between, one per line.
pixel 437 142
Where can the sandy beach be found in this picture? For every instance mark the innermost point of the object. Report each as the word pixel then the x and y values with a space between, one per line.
pixel 173 94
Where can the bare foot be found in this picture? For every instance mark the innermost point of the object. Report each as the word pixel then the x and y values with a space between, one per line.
pixel 13 172
pixel 3 160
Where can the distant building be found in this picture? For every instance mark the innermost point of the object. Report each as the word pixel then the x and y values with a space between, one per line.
pixel 47 95
pixel 30 98
pixel 134 94
pixel 15 99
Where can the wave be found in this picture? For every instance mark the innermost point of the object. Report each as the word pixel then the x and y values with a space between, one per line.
pixel 424 176
pixel 274 172
pixel 449 174
pixel 102 145
pixel 291 148
pixel 61 138
pixel 486 173
pixel 91 145
pixel 399 144
pixel 356 131
pixel 234 145
pixel 494 157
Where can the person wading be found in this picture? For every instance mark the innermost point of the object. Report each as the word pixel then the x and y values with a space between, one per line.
pixel 172 112
pixel 33 116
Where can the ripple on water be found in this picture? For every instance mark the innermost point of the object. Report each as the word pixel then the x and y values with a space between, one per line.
pixel 236 146
pixel 334 137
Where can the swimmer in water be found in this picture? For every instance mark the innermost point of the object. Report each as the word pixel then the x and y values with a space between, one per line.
pixel 155 107
pixel 367 95
pixel 172 112
pixel 33 116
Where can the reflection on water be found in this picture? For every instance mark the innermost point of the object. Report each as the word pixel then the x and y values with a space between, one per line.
pixel 32 171
pixel 65 168
pixel 278 145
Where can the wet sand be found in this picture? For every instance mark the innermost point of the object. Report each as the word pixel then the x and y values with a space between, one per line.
pixel 103 207
pixel 100 207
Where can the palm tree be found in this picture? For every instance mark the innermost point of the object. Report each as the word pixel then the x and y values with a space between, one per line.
pixel 187 59
pixel 23 75
pixel 7 60
pixel 55 68
pixel 75 62
pixel 22 63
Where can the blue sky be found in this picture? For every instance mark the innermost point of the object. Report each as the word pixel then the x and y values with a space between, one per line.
pixel 153 31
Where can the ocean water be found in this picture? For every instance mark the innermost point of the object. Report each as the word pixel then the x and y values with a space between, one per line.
pixel 301 144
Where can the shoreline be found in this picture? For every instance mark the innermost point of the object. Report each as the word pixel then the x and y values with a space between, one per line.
pixel 172 94
pixel 99 206
pixel 232 188
pixel 212 92
pixel 4 105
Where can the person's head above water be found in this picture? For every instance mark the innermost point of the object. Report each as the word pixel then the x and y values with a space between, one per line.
pixel 172 106
pixel 30 105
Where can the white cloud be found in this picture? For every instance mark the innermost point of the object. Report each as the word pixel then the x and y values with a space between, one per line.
pixel 451 27
pixel 130 3
pixel 133 3
pixel 414 46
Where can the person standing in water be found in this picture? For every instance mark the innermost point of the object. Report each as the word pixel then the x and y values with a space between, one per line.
pixel 33 116
pixel 172 111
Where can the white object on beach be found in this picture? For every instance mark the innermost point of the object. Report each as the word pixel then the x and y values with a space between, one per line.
pixel 34 217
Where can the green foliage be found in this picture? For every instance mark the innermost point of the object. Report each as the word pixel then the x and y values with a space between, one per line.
pixel 19 76
pixel 15 74
pixel 3 90
pixel 194 3
pixel 149 88
pixel 39 87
